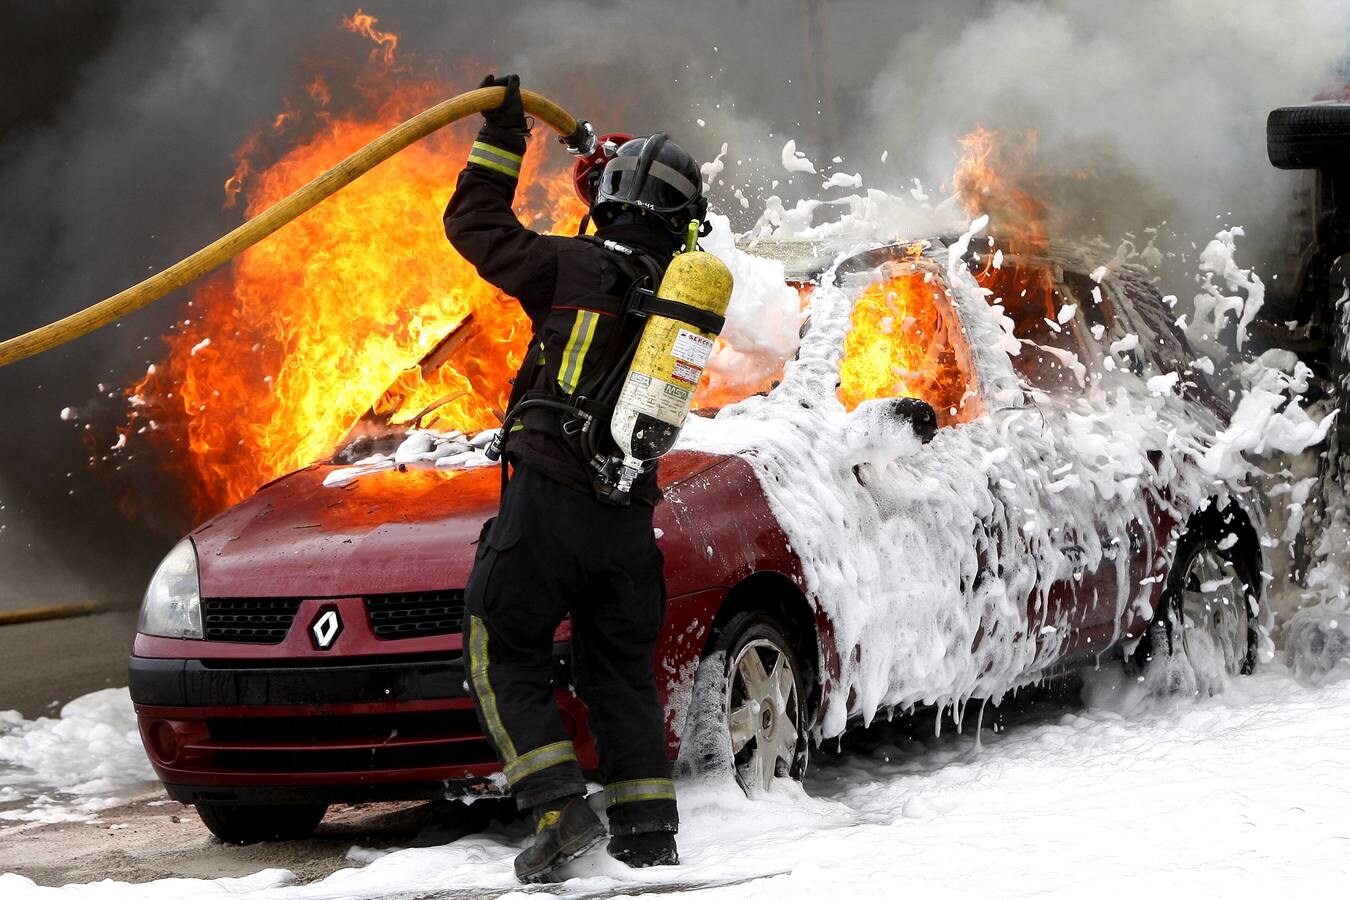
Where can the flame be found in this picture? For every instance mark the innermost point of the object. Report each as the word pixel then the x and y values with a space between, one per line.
pixel 1025 288
pixel 364 24
pixel 903 343
pixel 279 357
pixel 997 177
pixel 318 90
pixel 243 167
pixel 1002 178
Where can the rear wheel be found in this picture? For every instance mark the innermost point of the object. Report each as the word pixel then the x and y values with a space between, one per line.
pixel 1205 630
pixel 251 824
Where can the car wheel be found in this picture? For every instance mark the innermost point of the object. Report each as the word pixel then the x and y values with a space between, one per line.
pixel 762 692
pixel 1308 137
pixel 251 824
pixel 1204 632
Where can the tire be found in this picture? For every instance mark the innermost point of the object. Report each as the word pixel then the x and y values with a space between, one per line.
pixel 251 824
pixel 1309 137
pixel 738 709
pixel 1205 629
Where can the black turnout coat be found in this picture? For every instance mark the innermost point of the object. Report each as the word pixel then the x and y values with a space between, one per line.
pixel 572 290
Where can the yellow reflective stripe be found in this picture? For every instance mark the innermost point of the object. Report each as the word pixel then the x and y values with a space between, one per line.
pixel 495 166
pixel 638 790
pixel 498 151
pixel 539 759
pixel 496 159
pixel 478 672
pixel 574 354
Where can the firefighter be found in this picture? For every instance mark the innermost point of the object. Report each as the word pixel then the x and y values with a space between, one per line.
pixel 556 547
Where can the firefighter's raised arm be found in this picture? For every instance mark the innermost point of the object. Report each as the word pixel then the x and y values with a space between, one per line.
pixel 479 220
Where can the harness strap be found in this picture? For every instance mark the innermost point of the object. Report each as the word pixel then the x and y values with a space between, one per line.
pixel 643 274
pixel 637 266
pixel 690 315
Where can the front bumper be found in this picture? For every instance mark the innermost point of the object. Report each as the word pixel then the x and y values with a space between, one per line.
pixel 340 730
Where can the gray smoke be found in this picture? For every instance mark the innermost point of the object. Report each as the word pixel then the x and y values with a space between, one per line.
pixel 123 120
pixel 1148 111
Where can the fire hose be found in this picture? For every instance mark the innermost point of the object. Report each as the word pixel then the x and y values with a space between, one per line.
pixel 578 135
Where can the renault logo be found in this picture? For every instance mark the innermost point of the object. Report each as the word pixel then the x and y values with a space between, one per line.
pixel 325 628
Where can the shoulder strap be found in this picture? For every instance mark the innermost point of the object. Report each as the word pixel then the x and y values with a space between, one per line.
pixel 635 264
pixel 644 276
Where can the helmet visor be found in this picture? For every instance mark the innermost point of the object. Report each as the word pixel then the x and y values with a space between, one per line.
pixel 662 190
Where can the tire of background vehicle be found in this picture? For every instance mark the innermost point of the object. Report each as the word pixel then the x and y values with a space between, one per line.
pixel 1214 632
pixel 251 824
pixel 1309 137
pixel 734 717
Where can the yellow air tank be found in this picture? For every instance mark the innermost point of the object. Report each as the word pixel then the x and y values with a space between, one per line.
pixel 669 360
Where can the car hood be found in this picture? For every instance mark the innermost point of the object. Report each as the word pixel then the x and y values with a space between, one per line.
pixel 401 530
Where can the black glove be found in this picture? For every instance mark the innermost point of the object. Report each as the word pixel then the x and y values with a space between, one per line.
pixel 511 114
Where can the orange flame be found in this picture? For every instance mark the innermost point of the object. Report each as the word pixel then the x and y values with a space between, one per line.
pixel 364 24
pixel 901 343
pixel 1002 178
pixel 997 177
pixel 318 91
pixel 280 356
pixel 243 167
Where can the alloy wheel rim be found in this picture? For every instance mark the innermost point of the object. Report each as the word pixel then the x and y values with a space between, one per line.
pixel 1214 615
pixel 763 713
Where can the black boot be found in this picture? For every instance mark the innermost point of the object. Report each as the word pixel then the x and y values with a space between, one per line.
pixel 650 848
pixel 563 830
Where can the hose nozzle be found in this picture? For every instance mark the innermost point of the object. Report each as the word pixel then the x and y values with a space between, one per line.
pixel 581 142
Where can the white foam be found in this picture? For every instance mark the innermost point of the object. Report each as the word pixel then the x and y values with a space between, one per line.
pixel 71 767
pixel 883 526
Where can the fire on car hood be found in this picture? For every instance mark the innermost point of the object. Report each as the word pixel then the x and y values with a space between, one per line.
pixel 402 530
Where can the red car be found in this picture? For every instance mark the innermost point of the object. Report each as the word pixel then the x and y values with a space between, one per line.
pixel 921 510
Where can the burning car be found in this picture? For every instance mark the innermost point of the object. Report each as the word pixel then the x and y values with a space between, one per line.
pixel 979 468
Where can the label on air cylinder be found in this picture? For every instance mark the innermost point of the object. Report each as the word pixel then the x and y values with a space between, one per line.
pixel 692 348
pixel 654 397
pixel 682 371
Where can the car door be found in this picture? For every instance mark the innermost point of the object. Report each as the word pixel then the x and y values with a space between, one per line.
pixel 1052 469
pixel 955 619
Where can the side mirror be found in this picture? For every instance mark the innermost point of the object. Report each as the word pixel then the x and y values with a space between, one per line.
pixel 920 415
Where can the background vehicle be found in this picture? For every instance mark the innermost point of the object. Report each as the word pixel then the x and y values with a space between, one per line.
pixel 922 511
pixel 1312 319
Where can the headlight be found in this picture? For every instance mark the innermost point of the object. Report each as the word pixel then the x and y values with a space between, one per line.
pixel 173 601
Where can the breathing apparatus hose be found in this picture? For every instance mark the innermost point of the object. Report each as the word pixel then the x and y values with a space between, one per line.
pixel 578 135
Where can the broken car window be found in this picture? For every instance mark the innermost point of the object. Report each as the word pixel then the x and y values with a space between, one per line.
pixel 904 340
pixel 1053 357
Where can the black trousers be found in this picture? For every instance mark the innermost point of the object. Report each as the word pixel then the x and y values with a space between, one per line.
pixel 552 551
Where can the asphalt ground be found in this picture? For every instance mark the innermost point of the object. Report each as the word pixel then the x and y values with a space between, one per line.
pixel 45 664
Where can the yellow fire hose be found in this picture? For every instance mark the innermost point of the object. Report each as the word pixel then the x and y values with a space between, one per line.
pixel 254 230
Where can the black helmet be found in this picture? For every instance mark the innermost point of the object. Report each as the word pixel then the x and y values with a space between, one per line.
pixel 654 174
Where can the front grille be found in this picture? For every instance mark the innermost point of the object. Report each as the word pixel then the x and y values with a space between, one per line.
pixel 375 759
pixel 397 616
pixel 374 728
pixel 351 743
pixel 249 620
